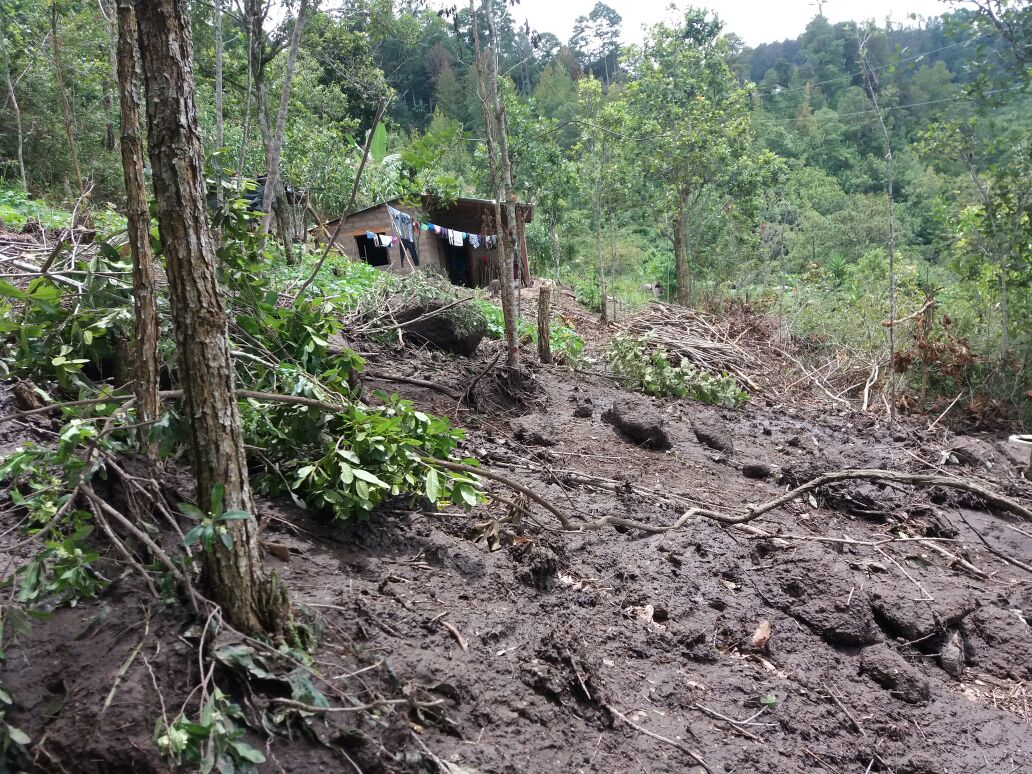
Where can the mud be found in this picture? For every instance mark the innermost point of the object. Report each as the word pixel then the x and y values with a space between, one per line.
pixel 524 658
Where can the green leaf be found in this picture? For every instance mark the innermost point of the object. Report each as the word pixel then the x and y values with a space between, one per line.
pixel 227 540
pixel 248 753
pixel 218 493
pixel 467 494
pixel 433 485
pixel 378 145
pixel 191 511
pixel 7 290
pixel 347 474
pixel 194 535
pixel 235 516
pixel 365 475
pixel 18 736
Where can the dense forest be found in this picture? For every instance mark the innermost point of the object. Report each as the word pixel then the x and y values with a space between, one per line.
pixel 757 174
pixel 781 279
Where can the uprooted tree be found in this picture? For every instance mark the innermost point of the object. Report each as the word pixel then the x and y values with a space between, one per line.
pixel 250 601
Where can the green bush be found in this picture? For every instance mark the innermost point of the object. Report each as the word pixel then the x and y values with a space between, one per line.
pixel 646 368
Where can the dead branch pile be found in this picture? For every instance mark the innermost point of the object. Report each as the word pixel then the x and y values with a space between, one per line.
pixel 703 339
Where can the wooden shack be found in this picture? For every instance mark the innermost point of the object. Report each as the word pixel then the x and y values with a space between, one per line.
pixel 457 239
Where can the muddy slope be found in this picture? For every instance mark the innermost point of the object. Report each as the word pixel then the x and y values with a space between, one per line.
pixel 616 651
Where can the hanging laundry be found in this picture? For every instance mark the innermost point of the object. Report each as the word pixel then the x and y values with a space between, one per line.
pixel 370 236
pixel 474 240
pixel 386 240
pixel 410 249
pixel 439 230
pixel 427 226
pixel 456 238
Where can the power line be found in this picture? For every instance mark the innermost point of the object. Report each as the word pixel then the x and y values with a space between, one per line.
pixel 886 109
pixel 782 90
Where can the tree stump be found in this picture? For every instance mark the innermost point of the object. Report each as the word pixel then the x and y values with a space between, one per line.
pixel 544 319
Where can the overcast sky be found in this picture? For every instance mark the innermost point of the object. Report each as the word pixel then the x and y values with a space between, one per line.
pixel 755 21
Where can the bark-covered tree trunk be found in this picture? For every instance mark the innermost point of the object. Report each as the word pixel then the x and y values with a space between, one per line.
pixel 235 579
pixel 600 267
pixel 145 341
pixel 272 182
pixel 66 108
pixel 682 268
pixel 249 13
pixel 110 77
pixel 501 178
pixel 17 118
pixel 544 320
pixel 553 238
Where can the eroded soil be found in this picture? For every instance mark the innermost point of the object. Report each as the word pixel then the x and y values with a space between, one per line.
pixel 562 652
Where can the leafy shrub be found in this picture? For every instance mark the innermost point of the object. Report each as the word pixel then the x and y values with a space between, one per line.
pixel 648 369
pixel 346 463
pixel 215 740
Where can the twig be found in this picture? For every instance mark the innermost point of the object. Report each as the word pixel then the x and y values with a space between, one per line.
pixel 356 708
pixel 995 551
pixel 144 538
pixel 456 634
pixel 846 711
pixel 947 411
pixel 672 742
pixel 735 724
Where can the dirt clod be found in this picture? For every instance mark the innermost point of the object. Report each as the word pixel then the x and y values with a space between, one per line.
pixel 893 673
pixel 710 434
pixel 642 426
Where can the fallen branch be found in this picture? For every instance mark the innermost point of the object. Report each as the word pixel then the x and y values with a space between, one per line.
pixel 271 397
pixel 514 485
pixel 383 377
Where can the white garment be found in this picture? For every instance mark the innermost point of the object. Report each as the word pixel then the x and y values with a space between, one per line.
pixel 456 238
pixel 386 240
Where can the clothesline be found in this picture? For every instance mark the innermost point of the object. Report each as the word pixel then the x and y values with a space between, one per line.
pixel 406 227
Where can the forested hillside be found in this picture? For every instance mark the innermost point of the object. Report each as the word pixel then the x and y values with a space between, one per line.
pixel 761 173
pixel 389 387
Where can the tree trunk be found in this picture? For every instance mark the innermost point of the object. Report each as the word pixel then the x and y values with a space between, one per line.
pixel 1004 309
pixel 220 129
pixel 235 578
pixel 501 178
pixel 682 269
pixel 249 14
pixel 600 268
pixel 146 360
pixel 272 182
pixel 110 77
pixel 17 118
pixel 553 237
pixel 66 107
pixel 544 318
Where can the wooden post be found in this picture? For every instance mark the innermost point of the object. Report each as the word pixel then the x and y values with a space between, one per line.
pixel 544 323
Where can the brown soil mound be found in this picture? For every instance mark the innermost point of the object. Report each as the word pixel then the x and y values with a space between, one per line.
pixel 610 650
